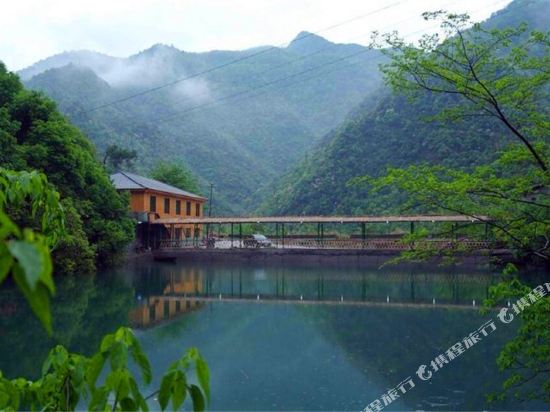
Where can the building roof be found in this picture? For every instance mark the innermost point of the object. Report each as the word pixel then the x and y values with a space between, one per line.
pixel 131 181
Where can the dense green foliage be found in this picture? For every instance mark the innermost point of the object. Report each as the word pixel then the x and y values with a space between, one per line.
pixel 527 356
pixel 391 130
pixel 499 194
pixel 35 136
pixel 69 378
pixel 176 175
pixel 238 144
pixel 105 381
pixel 116 157
pixel 501 75
pixel 493 74
pixel 25 254
pixel 390 134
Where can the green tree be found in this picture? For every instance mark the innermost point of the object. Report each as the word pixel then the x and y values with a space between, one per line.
pixel 486 76
pixel 116 157
pixel 498 74
pixel 176 175
pixel 35 136
pixel 527 356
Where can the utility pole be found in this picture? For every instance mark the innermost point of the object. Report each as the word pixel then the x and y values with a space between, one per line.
pixel 210 200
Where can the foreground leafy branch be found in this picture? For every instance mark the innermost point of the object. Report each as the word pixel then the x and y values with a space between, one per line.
pixel 105 379
pixel 498 74
pixel 526 358
pixel 68 380
pixel 519 215
pixel 25 253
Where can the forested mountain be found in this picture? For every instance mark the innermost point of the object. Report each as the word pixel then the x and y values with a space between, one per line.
pixel 390 130
pixel 35 136
pixel 239 144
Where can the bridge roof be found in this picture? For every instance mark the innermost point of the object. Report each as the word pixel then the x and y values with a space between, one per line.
pixel 322 219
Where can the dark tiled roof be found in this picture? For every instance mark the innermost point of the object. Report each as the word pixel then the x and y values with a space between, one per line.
pixel 131 181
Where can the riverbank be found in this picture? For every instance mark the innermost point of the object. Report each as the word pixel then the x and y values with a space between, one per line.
pixel 332 257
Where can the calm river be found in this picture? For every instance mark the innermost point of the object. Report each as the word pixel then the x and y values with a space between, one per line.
pixel 282 337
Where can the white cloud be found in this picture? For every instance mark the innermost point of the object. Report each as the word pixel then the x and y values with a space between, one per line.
pixel 31 30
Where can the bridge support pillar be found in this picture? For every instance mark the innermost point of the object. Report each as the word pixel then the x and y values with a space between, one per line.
pixel 232 241
pixel 240 235
pixel 318 233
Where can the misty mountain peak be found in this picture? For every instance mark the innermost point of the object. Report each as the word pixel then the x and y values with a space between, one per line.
pixel 306 42
pixel 161 49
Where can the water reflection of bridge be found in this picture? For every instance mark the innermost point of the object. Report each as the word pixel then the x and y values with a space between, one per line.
pixel 186 289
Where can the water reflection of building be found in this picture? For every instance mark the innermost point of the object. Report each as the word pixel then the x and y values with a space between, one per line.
pixel 173 302
pixel 185 282
pixel 158 309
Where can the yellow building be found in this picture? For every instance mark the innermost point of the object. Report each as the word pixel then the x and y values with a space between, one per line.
pixel 151 200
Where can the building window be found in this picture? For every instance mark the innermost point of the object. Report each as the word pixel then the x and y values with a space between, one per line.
pixel 188 208
pixel 198 209
pixel 187 232
pixel 178 207
pixel 153 203
pixel 166 205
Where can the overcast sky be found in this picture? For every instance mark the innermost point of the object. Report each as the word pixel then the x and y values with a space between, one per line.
pixel 31 30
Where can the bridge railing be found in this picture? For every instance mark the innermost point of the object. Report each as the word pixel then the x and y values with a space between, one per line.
pixel 330 243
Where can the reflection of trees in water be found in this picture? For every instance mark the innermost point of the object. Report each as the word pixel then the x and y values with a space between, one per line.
pixel 84 309
pixel 389 344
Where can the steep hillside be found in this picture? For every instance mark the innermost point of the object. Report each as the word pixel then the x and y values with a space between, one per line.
pixel 238 143
pixel 35 136
pixel 389 130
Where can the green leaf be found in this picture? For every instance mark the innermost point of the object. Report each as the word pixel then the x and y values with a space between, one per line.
pixel 141 360
pixel 198 399
pixel 38 299
pixel 118 356
pixel 30 258
pixel 94 369
pixel 98 402
pixel 203 374
pixel 165 391
pixel 6 262
pixel 138 397
pixel 128 404
pixel 106 343
pixel 179 390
